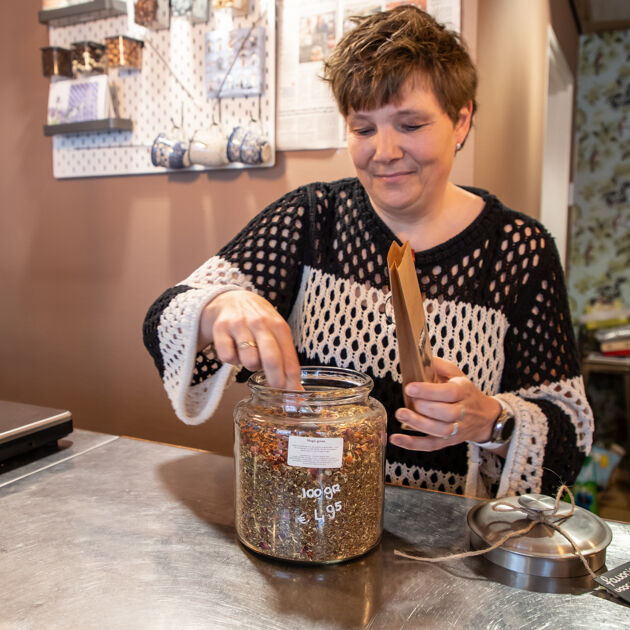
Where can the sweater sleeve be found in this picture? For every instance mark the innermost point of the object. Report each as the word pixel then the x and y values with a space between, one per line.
pixel 265 257
pixel 541 381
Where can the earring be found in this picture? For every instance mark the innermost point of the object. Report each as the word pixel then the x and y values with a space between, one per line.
pixel 458 146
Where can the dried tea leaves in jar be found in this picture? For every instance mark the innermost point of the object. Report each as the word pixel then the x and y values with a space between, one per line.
pixel 310 482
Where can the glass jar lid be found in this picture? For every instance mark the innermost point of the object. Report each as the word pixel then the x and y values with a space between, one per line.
pixel 543 550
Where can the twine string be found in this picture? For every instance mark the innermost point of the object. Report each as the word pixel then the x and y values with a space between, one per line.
pixel 537 518
pixel 173 74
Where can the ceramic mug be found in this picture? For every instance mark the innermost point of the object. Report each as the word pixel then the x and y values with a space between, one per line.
pixel 248 146
pixel 255 148
pixel 209 147
pixel 169 152
pixel 234 144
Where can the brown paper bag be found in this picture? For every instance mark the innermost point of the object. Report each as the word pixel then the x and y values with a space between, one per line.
pixel 414 345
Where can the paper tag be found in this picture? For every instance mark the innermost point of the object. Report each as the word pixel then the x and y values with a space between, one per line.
pixel 308 452
pixel 617 581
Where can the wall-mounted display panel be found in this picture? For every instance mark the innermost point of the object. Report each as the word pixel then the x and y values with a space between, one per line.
pixel 162 89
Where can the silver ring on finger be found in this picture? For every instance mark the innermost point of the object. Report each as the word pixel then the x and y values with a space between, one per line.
pixel 243 345
pixel 454 431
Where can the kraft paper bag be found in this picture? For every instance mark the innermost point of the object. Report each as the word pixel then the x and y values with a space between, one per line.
pixel 414 345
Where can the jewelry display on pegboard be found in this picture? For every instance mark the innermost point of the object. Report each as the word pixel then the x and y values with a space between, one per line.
pixel 235 62
pixel 230 126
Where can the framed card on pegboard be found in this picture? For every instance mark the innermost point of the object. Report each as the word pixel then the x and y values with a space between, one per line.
pixel 234 62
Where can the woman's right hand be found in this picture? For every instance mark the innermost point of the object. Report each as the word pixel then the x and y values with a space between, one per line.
pixel 247 330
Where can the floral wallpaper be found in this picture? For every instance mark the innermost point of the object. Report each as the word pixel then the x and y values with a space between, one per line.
pixel 599 257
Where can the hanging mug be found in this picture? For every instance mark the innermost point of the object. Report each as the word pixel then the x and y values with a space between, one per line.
pixel 169 152
pixel 255 148
pixel 234 144
pixel 248 146
pixel 208 147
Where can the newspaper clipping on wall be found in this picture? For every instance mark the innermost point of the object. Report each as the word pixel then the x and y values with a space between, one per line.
pixel 307 116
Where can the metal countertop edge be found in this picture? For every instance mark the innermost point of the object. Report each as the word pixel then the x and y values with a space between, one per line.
pixel 65 459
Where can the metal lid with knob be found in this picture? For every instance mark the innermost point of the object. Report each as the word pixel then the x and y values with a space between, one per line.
pixel 542 551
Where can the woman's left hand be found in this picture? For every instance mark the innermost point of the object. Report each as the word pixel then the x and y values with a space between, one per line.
pixel 449 412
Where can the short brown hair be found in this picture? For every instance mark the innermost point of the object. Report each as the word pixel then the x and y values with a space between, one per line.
pixel 370 64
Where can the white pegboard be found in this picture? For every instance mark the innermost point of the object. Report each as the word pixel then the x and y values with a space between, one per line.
pixel 170 86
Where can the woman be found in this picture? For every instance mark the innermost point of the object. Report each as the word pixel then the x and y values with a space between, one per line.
pixel 306 283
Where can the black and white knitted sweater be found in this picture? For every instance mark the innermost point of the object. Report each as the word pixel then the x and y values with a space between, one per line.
pixel 496 306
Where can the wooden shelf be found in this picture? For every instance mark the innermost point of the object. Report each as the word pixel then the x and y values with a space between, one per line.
pixel 90 126
pixel 84 12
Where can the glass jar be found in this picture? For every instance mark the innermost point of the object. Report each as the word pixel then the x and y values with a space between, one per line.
pixel 310 467
pixel 152 14
pixel 124 52
pixel 56 61
pixel 88 57
pixel 196 10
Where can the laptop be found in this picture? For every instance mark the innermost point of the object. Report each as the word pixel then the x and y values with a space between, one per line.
pixel 25 428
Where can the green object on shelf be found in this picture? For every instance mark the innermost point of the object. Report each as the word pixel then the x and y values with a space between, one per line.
pixel 593 477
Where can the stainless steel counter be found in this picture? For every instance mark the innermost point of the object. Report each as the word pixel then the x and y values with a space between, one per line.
pixel 131 534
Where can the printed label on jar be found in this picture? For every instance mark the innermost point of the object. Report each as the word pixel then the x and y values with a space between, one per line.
pixel 309 452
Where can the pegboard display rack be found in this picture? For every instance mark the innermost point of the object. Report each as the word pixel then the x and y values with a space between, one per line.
pixel 167 95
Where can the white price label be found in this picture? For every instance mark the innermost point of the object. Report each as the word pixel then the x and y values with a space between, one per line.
pixel 308 452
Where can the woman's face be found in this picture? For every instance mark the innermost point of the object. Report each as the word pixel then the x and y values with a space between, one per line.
pixel 403 152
